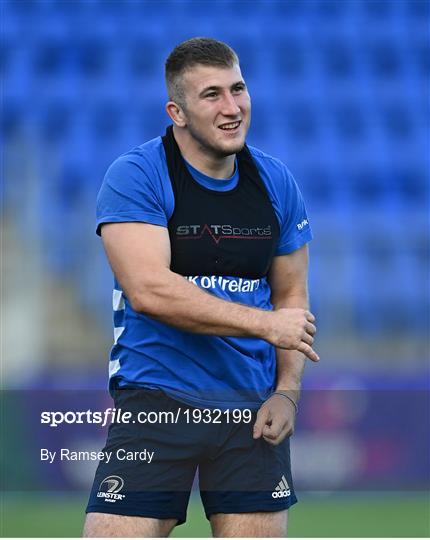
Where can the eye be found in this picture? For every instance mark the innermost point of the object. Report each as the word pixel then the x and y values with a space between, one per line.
pixel 239 88
pixel 211 94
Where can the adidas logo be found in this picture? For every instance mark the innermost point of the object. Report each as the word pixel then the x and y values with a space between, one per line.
pixel 282 489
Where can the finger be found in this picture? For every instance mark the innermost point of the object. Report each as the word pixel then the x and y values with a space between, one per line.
pixel 269 440
pixel 310 328
pixel 261 421
pixel 307 338
pixel 275 441
pixel 286 432
pixel 275 428
pixel 309 316
pixel 308 351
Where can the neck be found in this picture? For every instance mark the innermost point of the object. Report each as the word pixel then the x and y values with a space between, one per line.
pixel 201 159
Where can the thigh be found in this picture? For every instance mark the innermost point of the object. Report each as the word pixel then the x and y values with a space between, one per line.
pixel 148 468
pixel 251 525
pixel 114 526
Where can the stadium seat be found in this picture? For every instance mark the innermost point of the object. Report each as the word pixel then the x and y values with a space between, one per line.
pixel 338 93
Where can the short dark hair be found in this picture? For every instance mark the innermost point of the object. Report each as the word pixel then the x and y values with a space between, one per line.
pixel 197 50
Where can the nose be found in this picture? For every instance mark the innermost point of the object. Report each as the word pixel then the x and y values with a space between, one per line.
pixel 229 105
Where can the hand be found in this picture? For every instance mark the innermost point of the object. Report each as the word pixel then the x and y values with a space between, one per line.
pixel 292 329
pixel 275 420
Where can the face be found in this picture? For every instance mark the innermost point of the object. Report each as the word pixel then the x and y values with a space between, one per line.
pixel 217 110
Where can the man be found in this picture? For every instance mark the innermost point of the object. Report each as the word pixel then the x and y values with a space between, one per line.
pixel 204 236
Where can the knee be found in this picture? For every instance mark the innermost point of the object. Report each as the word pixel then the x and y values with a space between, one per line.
pixel 99 525
pixel 251 525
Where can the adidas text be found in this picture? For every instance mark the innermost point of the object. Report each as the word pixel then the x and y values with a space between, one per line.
pixel 279 494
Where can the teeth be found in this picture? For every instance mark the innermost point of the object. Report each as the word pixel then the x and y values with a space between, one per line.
pixel 234 125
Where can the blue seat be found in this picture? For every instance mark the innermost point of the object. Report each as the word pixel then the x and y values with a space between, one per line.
pixel 384 59
pixel 12 119
pixel 411 184
pixel 350 121
pixel 152 120
pixel 142 60
pixel 321 192
pixel 291 58
pixel 417 10
pixel 331 10
pixel 397 120
pixel 421 56
pixel 106 121
pixel 24 8
pixel 379 10
pixel 53 58
pixel 367 184
pixel 338 58
pixel 301 120
pixel 93 57
pixel 55 121
pixel 291 11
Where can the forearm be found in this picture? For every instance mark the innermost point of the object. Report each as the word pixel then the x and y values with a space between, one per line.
pixel 173 300
pixel 290 365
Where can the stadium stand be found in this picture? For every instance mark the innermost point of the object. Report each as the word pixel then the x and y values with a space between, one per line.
pixel 338 92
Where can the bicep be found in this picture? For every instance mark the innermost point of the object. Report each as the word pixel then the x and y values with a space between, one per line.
pixel 137 253
pixel 289 274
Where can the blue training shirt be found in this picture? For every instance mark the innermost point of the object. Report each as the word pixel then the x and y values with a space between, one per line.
pixel 200 370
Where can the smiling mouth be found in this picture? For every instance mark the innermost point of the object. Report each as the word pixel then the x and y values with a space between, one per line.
pixel 230 127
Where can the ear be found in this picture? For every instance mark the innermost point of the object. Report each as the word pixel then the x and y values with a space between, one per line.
pixel 176 113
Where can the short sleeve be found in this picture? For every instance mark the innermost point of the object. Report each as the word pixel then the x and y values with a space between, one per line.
pixel 129 194
pixel 295 227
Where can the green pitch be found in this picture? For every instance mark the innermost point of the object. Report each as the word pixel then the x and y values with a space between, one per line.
pixel 348 515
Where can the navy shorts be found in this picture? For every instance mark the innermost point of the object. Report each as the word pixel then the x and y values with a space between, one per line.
pixel 149 463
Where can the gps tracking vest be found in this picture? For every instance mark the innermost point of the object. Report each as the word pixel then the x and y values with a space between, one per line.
pixel 222 233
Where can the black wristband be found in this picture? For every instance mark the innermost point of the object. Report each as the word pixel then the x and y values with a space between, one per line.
pixel 288 397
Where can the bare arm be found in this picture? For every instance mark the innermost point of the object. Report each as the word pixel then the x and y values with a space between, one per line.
pixel 288 280
pixel 139 255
